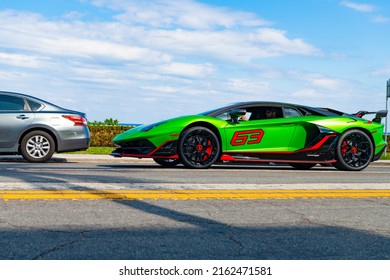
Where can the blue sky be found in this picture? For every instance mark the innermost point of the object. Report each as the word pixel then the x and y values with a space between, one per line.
pixel 143 61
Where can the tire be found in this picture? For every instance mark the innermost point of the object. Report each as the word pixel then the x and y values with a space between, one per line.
pixel 37 146
pixel 354 151
pixel 198 147
pixel 167 162
pixel 303 166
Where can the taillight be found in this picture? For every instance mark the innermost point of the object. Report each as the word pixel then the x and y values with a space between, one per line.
pixel 77 120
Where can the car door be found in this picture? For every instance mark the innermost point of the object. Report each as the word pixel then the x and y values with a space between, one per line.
pixel 259 133
pixel 15 117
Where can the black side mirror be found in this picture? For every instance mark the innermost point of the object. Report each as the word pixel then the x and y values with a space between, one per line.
pixel 235 114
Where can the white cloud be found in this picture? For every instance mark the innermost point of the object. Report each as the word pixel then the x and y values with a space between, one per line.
pixel 185 13
pixel 360 7
pixel 133 59
pixel 380 19
pixel 383 71
pixel 150 51
pixel 319 81
pixel 247 86
pixel 315 87
pixel 229 45
pixel 31 33
pixel 307 93
pixel 277 43
pixel 366 8
pixel 168 89
pixel 187 70
pixel 327 83
pixel 21 60
pixel 116 41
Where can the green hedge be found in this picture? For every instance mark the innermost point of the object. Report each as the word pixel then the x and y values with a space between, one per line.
pixel 101 135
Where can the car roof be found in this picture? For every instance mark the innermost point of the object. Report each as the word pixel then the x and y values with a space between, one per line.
pixel 48 106
pixel 27 96
pixel 308 109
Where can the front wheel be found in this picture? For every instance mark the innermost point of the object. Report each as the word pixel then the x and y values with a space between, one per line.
pixel 198 147
pixel 37 146
pixel 354 151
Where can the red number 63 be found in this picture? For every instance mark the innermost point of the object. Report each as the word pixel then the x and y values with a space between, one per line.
pixel 247 137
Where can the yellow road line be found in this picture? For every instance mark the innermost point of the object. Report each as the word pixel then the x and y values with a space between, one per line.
pixel 188 194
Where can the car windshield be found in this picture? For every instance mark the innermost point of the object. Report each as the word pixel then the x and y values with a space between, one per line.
pixel 212 112
pixel 216 112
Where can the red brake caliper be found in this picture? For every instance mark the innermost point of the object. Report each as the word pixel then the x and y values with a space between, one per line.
pixel 344 148
pixel 209 150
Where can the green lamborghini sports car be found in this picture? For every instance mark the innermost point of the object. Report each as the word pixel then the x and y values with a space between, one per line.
pixel 254 132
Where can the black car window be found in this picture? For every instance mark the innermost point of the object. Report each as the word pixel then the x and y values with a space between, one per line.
pixel 265 112
pixel 11 103
pixel 254 113
pixel 34 105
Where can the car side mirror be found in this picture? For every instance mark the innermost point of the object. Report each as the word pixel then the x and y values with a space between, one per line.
pixel 235 114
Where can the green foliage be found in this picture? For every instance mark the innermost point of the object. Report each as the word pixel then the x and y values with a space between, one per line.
pixel 109 122
pixel 95 151
pixel 103 132
pixel 386 157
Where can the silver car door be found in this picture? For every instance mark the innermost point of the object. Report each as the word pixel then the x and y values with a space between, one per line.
pixel 15 118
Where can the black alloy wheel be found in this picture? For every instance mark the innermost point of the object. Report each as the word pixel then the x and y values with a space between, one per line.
pixel 354 151
pixel 198 147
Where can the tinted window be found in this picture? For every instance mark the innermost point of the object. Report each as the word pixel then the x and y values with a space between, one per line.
pixel 34 105
pixel 11 103
pixel 254 113
pixel 224 116
pixel 291 112
pixel 265 112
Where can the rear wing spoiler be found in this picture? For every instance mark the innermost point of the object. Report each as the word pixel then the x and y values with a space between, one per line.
pixel 378 115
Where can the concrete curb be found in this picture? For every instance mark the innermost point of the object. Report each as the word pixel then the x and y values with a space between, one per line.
pixel 97 159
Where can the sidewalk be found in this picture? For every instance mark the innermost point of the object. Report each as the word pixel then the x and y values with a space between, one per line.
pixel 109 159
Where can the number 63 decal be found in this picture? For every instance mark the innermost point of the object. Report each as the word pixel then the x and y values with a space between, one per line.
pixel 247 137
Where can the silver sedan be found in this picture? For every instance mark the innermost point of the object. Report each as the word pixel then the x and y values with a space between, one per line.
pixel 36 128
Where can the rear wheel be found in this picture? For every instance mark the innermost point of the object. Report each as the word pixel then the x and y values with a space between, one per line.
pixel 37 146
pixel 354 151
pixel 198 147
pixel 167 162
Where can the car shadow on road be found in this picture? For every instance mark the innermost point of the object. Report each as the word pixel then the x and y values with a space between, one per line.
pixel 191 237
pixel 195 236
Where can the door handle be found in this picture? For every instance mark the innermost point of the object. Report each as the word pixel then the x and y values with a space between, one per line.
pixel 22 117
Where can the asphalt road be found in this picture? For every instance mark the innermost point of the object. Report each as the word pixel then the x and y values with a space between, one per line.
pixel 223 229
